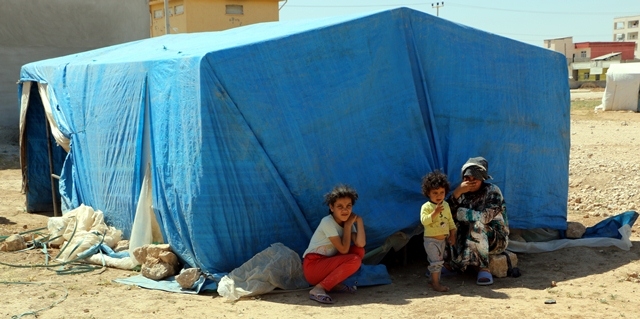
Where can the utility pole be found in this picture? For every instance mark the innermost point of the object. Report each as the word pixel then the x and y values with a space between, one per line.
pixel 166 17
pixel 437 6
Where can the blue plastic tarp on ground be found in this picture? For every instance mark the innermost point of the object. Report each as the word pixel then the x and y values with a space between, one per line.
pixel 246 129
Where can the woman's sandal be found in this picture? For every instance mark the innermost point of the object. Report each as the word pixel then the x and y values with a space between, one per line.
pixel 321 298
pixel 484 278
pixel 344 288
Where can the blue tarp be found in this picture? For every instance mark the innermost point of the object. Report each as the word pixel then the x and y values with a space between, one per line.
pixel 246 129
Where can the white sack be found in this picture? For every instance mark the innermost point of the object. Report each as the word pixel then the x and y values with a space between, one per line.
pixel 275 267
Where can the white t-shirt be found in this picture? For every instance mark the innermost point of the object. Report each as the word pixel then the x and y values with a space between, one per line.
pixel 320 243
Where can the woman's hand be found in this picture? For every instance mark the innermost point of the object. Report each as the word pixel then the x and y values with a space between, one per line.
pixel 466 186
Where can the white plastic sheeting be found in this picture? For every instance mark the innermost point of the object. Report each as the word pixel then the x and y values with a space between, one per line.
pixel 623 88
pixel 275 267
pixel 81 229
pixel 540 247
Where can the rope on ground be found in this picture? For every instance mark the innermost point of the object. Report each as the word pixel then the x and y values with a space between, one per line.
pixel 3 238
pixel 77 267
pixel 35 312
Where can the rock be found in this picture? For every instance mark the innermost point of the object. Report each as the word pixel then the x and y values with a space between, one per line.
pixel 140 254
pixel 158 261
pixel 575 230
pixel 498 264
pixel 157 271
pixel 168 257
pixel 13 243
pixel 188 277
pixel 122 245
pixel 516 235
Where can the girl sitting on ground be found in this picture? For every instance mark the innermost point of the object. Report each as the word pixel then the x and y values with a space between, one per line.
pixel 331 257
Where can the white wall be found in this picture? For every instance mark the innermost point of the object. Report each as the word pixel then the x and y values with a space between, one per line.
pixel 34 30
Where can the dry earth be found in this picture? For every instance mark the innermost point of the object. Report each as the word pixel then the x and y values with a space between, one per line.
pixel 584 282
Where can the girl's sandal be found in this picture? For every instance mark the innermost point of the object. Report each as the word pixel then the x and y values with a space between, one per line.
pixel 346 289
pixel 321 298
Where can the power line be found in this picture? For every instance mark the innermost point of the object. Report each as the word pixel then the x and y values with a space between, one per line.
pixel 358 6
pixel 456 5
pixel 540 12
pixel 549 35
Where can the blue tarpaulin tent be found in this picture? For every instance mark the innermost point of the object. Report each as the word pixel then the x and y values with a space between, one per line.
pixel 245 130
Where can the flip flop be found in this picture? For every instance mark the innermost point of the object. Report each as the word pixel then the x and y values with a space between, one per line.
pixel 321 298
pixel 344 288
pixel 484 278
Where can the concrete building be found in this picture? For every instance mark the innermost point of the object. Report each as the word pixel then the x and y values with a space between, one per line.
pixel 209 15
pixel 594 69
pixel 563 45
pixel 40 29
pixel 626 29
pixel 589 61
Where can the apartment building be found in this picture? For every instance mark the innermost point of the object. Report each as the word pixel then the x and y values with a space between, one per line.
pixel 589 61
pixel 626 29
pixel 187 16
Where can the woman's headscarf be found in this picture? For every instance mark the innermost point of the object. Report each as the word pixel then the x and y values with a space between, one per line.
pixel 478 167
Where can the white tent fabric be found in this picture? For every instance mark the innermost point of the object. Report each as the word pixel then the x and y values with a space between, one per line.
pixel 623 88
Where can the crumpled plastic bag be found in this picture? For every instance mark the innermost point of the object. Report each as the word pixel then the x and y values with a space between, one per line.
pixel 275 267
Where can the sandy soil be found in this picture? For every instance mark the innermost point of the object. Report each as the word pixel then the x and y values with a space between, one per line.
pixel 584 282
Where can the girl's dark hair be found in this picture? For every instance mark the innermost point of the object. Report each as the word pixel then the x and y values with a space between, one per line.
pixel 340 191
pixel 434 180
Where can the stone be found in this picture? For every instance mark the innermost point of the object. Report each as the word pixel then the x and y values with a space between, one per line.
pixel 575 230
pixel 13 243
pixel 498 264
pixel 516 235
pixel 122 245
pixel 157 261
pixel 188 277
pixel 140 254
pixel 168 257
pixel 157 271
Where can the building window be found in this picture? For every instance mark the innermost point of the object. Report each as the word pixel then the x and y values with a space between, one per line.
pixel 597 77
pixel 633 36
pixel 585 76
pixel 618 25
pixel 633 24
pixel 234 9
pixel 180 9
pixel 619 37
pixel 157 14
pixel 583 54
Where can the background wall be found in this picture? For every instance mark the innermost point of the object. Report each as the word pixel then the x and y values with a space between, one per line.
pixel 40 29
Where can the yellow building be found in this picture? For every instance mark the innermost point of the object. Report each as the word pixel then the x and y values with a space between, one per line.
pixel 209 15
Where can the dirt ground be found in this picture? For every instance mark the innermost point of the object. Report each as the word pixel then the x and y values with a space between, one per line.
pixel 584 282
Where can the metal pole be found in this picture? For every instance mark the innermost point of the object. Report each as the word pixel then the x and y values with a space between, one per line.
pixel 56 211
pixel 166 17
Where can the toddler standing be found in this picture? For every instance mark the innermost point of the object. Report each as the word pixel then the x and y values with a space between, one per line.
pixel 438 223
